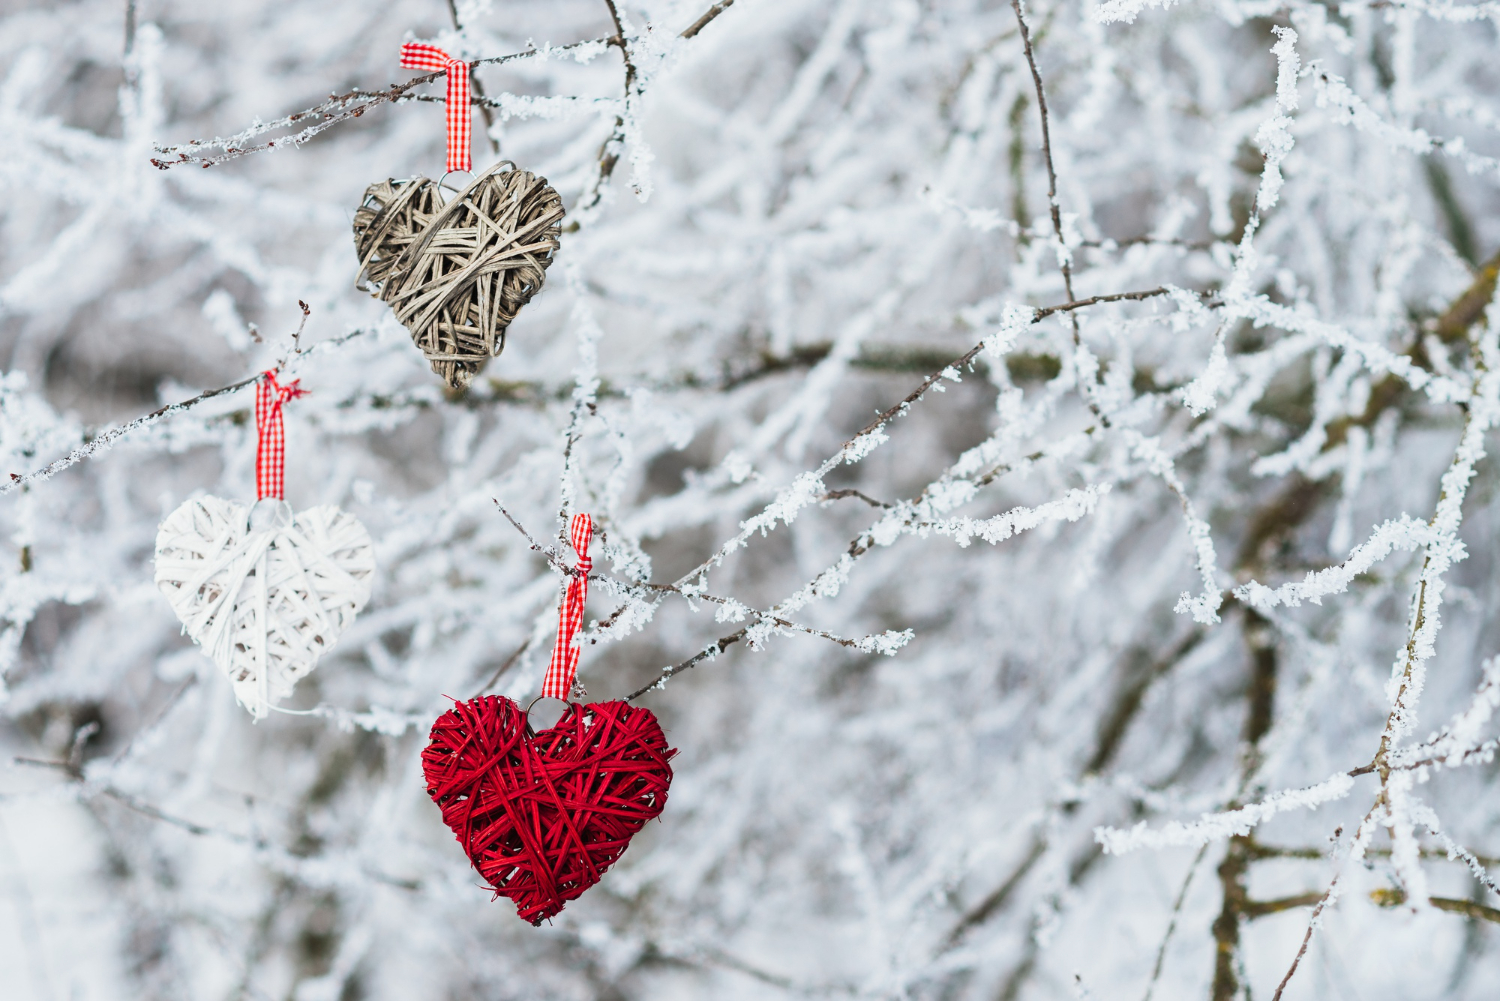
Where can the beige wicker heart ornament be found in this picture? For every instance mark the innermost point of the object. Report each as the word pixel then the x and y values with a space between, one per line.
pixel 264 601
pixel 457 272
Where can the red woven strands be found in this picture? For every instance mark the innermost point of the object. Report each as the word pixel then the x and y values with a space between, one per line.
pixel 270 434
pixel 421 56
pixel 563 667
pixel 542 816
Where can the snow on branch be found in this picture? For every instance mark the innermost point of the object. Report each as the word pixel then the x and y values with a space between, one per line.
pixel 1218 826
pixel 1073 505
pixel 1404 533
pixel 1350 109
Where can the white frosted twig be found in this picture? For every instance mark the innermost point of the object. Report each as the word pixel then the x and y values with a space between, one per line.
pixel 1205 607
pixel 338 108
pixel 1401 809
pixel 1408 673
pixel 1357 850
pixel 1071 506
pixel 1275 140
pixel 1350 109
pixel 1218 826
pixel 1403 533
pixel 1454 744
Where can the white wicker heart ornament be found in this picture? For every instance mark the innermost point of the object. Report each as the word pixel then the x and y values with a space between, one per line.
pixel 264 601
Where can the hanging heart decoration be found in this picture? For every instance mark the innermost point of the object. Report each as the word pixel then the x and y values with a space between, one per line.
pixel 265 593
pixel 263 603
pixel 543 815
pixel 457 272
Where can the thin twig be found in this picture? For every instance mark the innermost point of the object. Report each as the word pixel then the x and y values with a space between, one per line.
pixel 337 108
pixel 161 714
pixel 707 653
pixel 967 358
pixel 652 593
pixel 1146 241
pixel 1161 951
pixel 619 41
pixel 296 346
pixel 107 438
pixel 506 665
pixel 1052 204
pixel 834 495
pixel 1317 914
pixel 609 151
pixel 708 16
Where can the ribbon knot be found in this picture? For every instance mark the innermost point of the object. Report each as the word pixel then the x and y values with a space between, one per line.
pixel 563 667
pixel 421 56
pixel 270 434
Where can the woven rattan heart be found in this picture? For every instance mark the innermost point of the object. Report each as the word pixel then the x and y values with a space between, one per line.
pixel 457 273
pixel 264 603
pixel 543 815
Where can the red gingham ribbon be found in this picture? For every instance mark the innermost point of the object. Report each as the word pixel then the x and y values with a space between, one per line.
pixel 564 666
pixel 270 434
pixel 421 56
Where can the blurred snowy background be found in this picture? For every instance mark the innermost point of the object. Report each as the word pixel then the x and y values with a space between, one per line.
pixel 789 222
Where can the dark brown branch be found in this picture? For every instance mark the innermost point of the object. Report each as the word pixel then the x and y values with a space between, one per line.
pixel 1112 727
pixel 1260 908
pixel 1259 636
pixel 996 898
pixel 1395 897
pixel 1452 327
pixel 1140 671
pixel 708 15
pixel 1468 908
pixel 1258 851
pixel 834 495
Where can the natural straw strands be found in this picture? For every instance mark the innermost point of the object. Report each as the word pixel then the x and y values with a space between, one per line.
pixel 457 273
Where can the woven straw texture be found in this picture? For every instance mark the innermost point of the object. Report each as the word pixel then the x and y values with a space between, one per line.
pixel 543 815
pixel 456 274
pixel 264 605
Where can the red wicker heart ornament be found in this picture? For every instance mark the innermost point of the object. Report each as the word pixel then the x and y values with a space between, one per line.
pixel 543 815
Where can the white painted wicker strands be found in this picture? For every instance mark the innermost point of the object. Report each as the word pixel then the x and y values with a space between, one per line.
pixel 263 603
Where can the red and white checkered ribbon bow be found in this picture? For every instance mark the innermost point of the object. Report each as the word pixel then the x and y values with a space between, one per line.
pixel 421 56
pixel 564 666
pixel 270 434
